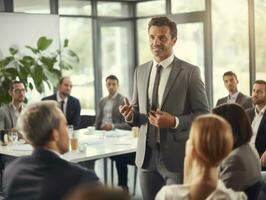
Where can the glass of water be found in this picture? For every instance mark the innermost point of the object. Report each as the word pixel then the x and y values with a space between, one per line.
pixel 13 137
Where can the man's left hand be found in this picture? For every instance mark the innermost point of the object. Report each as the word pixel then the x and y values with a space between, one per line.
pixel 162 119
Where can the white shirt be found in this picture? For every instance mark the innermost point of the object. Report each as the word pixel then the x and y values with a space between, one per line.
pixel 181 192
pixel 108 109
pixel 59 100
pixel 165 72
pixel 232 99
pixel 255 124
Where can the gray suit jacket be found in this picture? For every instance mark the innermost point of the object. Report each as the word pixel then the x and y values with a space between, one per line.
pixel 243 100
pixel 118 119
pixel 241 169
pixel 184 97
pixel 8 118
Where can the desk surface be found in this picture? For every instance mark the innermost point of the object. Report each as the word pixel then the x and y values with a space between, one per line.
pixel 97 145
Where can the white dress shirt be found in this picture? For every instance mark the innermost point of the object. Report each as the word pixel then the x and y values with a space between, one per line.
pixel 255 124
pixel 182 192
pixel 108 109
pixel 232 99
pixel 165 72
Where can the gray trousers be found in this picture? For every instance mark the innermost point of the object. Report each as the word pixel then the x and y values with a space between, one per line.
pixel 154 175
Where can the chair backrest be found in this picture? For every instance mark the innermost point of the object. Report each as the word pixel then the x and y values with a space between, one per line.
pixel 86 120
pixel 253 191
pixel 262 194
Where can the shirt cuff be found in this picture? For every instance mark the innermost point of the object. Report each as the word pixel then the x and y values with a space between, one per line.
pixel 176 123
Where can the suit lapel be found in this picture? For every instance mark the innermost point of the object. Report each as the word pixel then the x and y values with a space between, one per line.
pixel 239 98
pixel 175 71
pixel 11 113
pixel 146 83
pixel 262 123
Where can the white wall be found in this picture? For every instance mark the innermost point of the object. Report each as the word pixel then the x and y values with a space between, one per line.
pixel 19 29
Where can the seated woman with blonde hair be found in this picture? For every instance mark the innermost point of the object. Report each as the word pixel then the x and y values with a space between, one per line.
pixel 210 141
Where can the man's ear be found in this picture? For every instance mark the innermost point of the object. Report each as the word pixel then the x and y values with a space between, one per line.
pixel 54 136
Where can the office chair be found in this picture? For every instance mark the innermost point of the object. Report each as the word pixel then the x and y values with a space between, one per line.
pixel 86 120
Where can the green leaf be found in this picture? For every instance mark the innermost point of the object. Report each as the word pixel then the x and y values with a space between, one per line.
pixel 37 74
pixel 43 43
pixel 13 51
pixel 27 61
pixel 49 62
pixel 30 86
pixel 35 51
pixel 66 43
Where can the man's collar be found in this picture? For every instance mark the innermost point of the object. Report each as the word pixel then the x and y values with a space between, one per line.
pixel 114 96
pixel 234 96
pixel 166 62
pixel 59 99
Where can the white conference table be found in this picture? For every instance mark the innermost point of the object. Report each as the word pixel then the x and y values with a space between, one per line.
pixel 98 144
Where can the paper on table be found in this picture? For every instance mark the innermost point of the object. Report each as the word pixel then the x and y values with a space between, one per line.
pixel 22 147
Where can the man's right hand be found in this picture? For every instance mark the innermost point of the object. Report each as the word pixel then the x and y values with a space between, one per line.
pixel 126 110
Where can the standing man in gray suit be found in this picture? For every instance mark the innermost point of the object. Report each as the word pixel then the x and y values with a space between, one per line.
pixel 168 94
pixel 9 113
pixel 108 118
pixel 230 82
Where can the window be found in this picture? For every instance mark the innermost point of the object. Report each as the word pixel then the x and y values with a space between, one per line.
pixel 78 31
pixel 32 6
pixel 144 52
pixel 74 7
pixel 230 44
pixel 189 45
pixel 149 8
pixel 182 6
pixel 260 30
pixel 114 9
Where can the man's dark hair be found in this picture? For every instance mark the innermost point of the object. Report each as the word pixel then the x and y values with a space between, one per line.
pixel 261 82
pixel 11 87
pixel 164 21
pixel 236 116
pixel 112 77
pixel 230 73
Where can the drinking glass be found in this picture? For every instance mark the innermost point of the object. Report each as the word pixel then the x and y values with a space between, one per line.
pixel 13 137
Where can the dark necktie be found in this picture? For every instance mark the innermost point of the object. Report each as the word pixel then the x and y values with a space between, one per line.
pixel 62 105
pixel 153 131
pixel 154 101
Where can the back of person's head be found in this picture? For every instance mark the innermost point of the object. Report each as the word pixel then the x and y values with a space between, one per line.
pixel 97 192
pixel 239 121
pixel 38 120
pixel 211 138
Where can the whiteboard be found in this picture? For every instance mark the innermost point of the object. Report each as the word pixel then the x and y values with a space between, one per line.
pixel 20 29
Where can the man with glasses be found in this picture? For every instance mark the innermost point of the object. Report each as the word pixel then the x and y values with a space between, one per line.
pixel 9 113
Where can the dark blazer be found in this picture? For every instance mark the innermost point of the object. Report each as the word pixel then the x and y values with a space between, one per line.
pixel 72 110
pixel 118 119
pixel 243 100
pixel 260 142
pixel 184 97
pixel 43 176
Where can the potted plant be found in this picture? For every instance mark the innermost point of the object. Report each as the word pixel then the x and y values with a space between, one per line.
pixel 36 69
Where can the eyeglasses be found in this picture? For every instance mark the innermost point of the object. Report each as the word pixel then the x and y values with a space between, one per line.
pixel 17 91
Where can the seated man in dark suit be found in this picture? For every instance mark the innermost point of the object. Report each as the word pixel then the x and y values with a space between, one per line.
pixel 258 119
pixel 44 174
pixel 230 82
pixel 68 104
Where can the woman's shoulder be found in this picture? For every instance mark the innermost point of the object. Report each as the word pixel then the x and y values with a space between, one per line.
pixel 173 192
pixel 222 192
